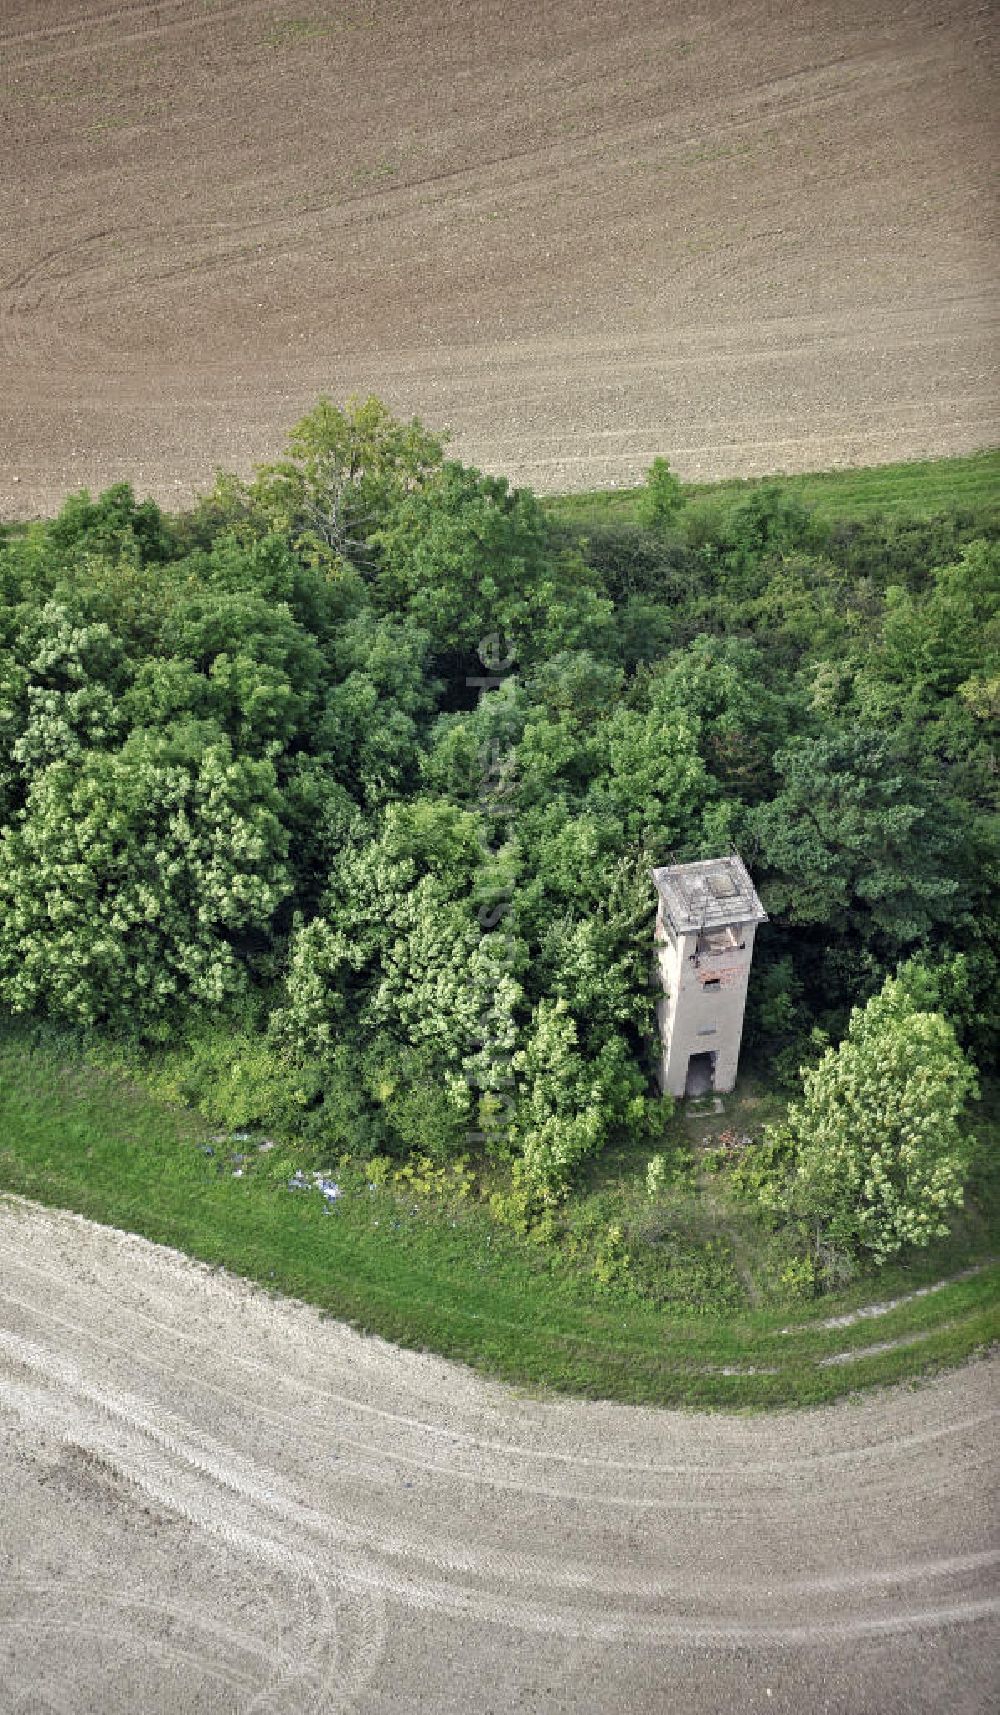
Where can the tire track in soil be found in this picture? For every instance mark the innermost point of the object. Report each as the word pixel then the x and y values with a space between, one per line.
pixel 149 14
pixel 398 1424
pixel 309 1670
pixel 378 1496
pixel 585 250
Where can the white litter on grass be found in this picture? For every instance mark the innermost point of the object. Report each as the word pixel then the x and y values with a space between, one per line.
pixel 315 1181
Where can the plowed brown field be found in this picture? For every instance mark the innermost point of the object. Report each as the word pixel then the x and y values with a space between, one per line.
pixel 751 236
pixel 215 1501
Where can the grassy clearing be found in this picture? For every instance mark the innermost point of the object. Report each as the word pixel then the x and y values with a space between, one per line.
pixel 440 1274
pixel 915 489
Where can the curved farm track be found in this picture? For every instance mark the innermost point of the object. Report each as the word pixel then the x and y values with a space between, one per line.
pixel 215 1500
pixel 753 237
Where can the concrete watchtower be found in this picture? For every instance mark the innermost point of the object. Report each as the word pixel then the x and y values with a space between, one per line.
pixel 707 918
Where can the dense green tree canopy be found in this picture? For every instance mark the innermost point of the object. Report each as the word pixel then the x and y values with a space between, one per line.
pixel 344 474
pixel 369 752
pixel 132 879
pixel 880 1156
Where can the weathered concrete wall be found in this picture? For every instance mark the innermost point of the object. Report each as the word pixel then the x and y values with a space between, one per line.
pixel 702 1007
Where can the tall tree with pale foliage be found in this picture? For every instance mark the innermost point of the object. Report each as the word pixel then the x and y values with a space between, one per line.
pixel 880 1153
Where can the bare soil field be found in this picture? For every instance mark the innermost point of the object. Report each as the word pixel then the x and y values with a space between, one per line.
pixel 751 236
pixel 217 1500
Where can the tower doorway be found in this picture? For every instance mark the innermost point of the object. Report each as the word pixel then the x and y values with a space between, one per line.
pixel 700 1075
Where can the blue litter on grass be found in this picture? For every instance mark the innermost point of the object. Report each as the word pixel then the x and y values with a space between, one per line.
pixel 328 1188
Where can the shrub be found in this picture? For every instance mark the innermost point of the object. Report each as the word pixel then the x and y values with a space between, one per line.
pixel 613 1265
pixel 880 1154
pixel 663 497
pixel 569 1105
pixel 131 878
pixel 656 1175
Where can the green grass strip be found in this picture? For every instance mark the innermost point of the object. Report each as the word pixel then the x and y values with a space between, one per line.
pixel 917 488
pixel 452 1282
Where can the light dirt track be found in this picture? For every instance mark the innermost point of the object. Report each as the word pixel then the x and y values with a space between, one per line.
pixel 752 236
pixel 215 1500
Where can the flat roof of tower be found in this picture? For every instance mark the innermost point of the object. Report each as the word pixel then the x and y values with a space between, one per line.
pixel 706 894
